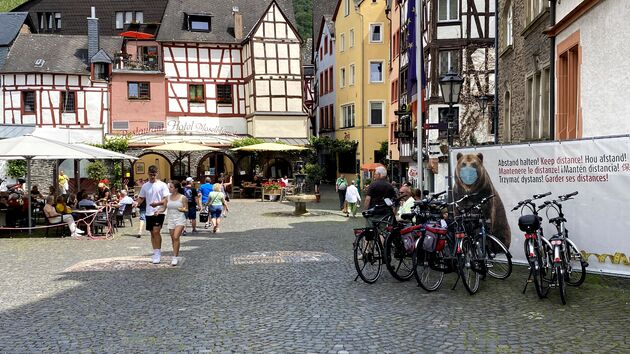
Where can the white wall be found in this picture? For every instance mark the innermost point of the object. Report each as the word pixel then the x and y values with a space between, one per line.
pixel 605 69
pixel 328 61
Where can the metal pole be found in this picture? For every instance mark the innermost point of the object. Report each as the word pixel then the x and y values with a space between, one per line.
pixel 27 193
pixel 419 117
pixel 449 134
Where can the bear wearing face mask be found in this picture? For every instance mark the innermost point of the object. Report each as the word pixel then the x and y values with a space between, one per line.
pixel 471 177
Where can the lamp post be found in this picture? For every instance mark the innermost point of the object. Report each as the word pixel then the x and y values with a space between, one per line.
pixel 450 85
pixel 483 104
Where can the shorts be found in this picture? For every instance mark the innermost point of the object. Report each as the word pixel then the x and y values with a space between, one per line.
pixel 176 220
pixel 215 211
pixel 143 214
pixel 154 221
pixel 192 212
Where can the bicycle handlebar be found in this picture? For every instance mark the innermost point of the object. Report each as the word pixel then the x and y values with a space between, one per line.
pixel 538 196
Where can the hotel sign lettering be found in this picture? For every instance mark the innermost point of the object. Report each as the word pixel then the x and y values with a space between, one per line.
pixel 206 126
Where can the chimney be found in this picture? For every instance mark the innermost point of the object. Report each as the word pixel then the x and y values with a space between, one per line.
pixel 93 36
pixel 238 23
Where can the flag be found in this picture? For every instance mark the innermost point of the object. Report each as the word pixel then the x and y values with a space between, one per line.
pixel 410 22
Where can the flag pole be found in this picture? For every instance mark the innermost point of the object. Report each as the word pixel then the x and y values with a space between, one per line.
pixel 419 96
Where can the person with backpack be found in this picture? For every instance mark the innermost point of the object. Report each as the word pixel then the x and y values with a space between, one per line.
pixel 194 203
pixel 340 186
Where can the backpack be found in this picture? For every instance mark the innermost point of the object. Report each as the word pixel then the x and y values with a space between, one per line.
pixel 189 195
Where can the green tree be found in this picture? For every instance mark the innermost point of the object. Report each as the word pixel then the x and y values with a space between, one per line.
pixel 245 142
pixel 97 170
pixel 303 10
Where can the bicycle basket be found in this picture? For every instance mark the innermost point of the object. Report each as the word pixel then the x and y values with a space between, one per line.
pixel 529 223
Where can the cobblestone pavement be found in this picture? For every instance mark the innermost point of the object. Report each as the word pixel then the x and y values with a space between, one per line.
pixel 250 289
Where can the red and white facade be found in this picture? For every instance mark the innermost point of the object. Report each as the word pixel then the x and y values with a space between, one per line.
pixel 250 88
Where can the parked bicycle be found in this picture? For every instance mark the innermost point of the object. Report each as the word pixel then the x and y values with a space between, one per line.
pixel 568 265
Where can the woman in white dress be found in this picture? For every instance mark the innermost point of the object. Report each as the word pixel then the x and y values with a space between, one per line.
pixel 176 209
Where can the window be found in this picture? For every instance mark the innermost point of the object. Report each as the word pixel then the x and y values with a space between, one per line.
pixel 101 71
pixel 138 91
pixel 325 45
pixel 342 77
pixel 156 125
pixel 396 43
pixel 448 10
pixel 402 79
pixel 376 113
pixel 197 23
pixel 331 116
pixel 196 94
pixel 443 114
pixel 42 20
pixel 139 17
pixel 330 80
pixel 449 60
pixel 351 74
pixel 342 42
pixel 224 94
pixel 346 7
pixel 394 91
pixel 568 94
pixel 119 125
pixel 376 71
pixel 28 101
pixel 508 27
pixel 351 38
pixel 128 17
pixel 120 20
pixel 68 102
pixel 321 84
pixel 50 21
pixel 347 114
pixel 376 33
pixel 534 8
pixel 57 20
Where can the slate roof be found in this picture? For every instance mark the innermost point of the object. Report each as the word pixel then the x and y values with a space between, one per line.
pixel 61 54
pixel 10 24
pixel 172 27
pixel 321 8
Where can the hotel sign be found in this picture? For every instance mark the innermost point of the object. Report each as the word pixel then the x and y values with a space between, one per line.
pixel 206 125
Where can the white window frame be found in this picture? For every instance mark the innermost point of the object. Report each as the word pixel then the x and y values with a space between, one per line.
pixel 351 74
pixel 128 17
pixel 351 39
pixel 450 60
pixel 138 17
pixel 508 27
pixel 346 8
pixel 448 11
pixel 382 71
pixel 342 77
pixel 369 109
pixel 342 42
pixel 120 20
pixel 372 27
pixel 347 122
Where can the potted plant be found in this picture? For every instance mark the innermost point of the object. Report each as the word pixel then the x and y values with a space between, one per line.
pixel 314 174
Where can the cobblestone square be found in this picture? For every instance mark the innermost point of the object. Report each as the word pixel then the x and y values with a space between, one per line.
pixel 273 282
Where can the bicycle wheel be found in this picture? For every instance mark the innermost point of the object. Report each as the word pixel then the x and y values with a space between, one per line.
pixel 428 278
pixel 576 272
pixel 469 276
pixel 560 275
pixel 398 262
pixel 368 258
pixel 537 269
pixel 498 258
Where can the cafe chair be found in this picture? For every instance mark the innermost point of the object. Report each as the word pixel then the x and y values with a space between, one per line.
pixel 59 227
pixel 258 192
pixel 126 213
pixel 101 223
pixel 236 191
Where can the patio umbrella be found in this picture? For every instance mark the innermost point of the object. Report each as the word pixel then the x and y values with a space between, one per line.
pixel 269 147
pixel 182 149
pixel 136 35
pixel 102 154
pixel 371 166
pixel 28 147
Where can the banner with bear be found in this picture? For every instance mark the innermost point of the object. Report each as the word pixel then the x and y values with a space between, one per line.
pixel 598 218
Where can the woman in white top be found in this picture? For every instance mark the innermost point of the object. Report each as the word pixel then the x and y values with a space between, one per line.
pixel 54 217
pixel 352 197
pixel 176 209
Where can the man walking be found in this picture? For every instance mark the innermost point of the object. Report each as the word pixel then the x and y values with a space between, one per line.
pixel 155 193
pixel 379 189
pixel 192 195
pixel 340 186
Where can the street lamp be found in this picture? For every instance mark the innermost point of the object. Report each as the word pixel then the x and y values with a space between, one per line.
pixel 451 85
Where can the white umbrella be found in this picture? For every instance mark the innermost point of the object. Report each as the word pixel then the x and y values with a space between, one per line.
pixel 269 147
pixel 28 147
pixel 100 153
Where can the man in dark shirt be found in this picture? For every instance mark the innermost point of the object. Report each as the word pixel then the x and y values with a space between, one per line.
pixel 379 189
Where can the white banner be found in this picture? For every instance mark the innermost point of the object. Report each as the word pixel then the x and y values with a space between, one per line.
pixel 599 169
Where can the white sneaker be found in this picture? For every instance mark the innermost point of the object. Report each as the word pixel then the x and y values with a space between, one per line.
pixel 156 258
pixel 174 261
pixel 79 231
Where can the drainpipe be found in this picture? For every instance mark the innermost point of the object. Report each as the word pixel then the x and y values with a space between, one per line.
pixel 495 118
pixel 552 73
pixel 362 89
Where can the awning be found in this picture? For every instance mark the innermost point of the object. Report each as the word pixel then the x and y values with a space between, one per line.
pixel 145 141
pixel 290 141
pixel 12 131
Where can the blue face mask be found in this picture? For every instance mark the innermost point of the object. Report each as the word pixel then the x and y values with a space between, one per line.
pixel 468 175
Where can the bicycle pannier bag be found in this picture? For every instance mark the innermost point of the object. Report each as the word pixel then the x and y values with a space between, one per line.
pixel 529 223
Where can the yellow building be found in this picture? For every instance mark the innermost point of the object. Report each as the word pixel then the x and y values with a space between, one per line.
pixel 361 78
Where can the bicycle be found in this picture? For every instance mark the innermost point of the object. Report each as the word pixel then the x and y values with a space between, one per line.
pixel 536 246
pixel 565 255
pixel 490 255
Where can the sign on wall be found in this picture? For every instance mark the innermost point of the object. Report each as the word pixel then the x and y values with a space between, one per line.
pixel 206 125
pixel 599 169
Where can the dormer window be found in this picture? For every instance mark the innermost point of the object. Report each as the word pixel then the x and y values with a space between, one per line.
pixel 100 72
pixel 199 22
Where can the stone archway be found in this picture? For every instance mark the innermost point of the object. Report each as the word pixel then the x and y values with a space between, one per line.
pixel 140 167
pixel 214 163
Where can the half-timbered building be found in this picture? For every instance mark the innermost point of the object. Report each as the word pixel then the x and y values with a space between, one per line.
pixel 459 35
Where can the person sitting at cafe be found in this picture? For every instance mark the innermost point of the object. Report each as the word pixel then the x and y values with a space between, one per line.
pixel 4 202
pixel 36 195
pixel 61 207
pixel 54 217
pixel 72 201
pixel 103 192
pixel 14 210
pixel 284 181
pixel 87 202
pixel 124 201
